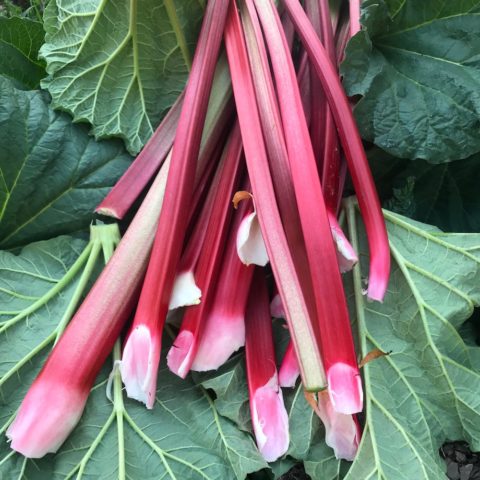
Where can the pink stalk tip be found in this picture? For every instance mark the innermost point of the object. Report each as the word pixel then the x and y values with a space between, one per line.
pixel 342 432
pixel 138 366
pixel 185 291
pixel 46 417
pixel 276 307
pixel 346 255
pixel 250 245
pixel 270 421
pixel 178 357
pixel 377 287
pixel 289 370
pixel 345 388
pixel 226 334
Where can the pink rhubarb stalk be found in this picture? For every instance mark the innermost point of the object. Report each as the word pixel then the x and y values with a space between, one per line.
pixel 352 145
pixel 182 353
pixel 55 401
pixel 333 327
pixel 141 354
pixel 269 416
pixel 354 16
pixel 224 330
pixel 277 247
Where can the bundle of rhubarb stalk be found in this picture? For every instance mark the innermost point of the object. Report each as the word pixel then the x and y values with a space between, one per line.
pixel 239 224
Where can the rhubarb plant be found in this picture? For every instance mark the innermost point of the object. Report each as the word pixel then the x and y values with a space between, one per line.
pixel 67 342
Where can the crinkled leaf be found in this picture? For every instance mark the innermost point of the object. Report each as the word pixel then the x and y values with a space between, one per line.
pixel 119 65
pixel 444 195
pixel 229 384
pixel 417 69
pixel 20 41
pixel 52 173
pixel 426 390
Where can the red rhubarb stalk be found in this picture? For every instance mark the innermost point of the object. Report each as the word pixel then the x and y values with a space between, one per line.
pixel 55 401
pixel 318 102
pixel 269 416
pixel 269 216
pixel 141 355
pixel 182 353
pixel 333 327
pixel 277 151
pixel 224 330
pixel 352 146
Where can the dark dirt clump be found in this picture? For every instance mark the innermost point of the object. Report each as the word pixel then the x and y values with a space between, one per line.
pixel 462 463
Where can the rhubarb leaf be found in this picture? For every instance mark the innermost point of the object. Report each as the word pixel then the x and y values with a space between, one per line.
pixel 444 195
pixel 417 70
pixel 52 173
pixel 321 463
pixel 119 65
pixel 426 390
pixel 20 41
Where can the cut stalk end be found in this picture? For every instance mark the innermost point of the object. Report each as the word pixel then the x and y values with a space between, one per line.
pixel 270 421
pixel 179 357
pixel 46 417
pixel 139 365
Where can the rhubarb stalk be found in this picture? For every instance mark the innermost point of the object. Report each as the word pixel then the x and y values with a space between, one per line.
pixel 354 152
pixel 55 401
pixel 141 355
pixel 269 416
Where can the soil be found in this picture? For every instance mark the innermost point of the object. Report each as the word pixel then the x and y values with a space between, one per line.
pixel 462 463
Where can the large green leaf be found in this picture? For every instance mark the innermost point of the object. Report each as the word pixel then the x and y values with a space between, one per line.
pixel 444 195
pixel 426 390
pixel 417 68
pixel 20 41
pixel 119 64
pixel 52 173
